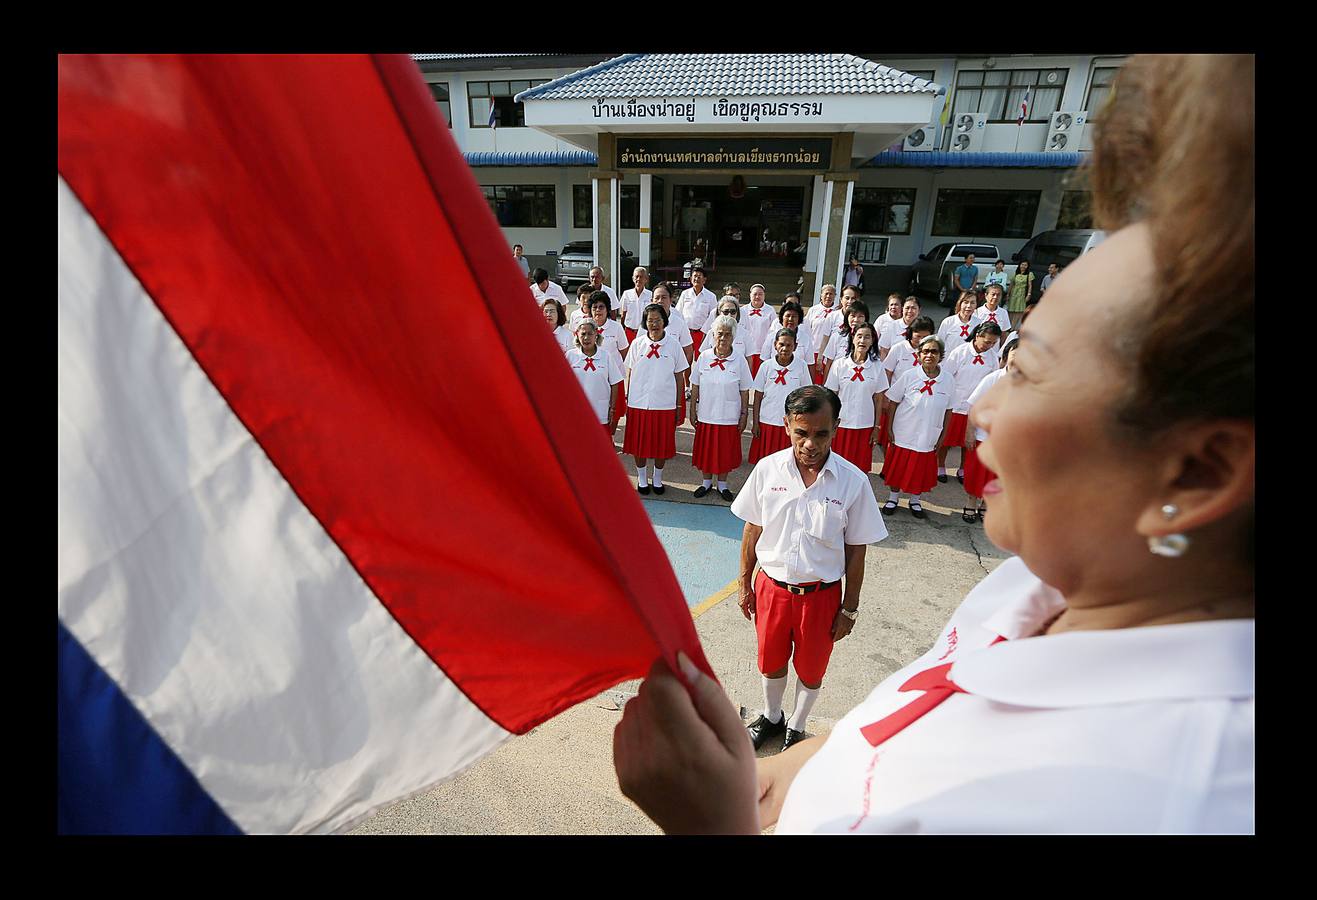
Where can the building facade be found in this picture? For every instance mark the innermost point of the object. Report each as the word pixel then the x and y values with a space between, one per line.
pixel 985 177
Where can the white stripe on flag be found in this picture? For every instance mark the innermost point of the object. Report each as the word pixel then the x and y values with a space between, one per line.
pixel 194 576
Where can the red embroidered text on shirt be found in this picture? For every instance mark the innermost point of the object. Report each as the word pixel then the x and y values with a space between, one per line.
pixel 653 352
pixel 928 387
pixel 781 377
pixel 952 640
pixel 859 373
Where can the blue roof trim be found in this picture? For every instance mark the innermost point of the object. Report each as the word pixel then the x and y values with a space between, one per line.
pixel 575 76
pixel 962 160
pixel 531 158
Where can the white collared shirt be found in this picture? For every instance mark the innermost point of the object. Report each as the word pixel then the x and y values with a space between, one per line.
pixel 917 424
pixel 720 387
pixel 652 384
pixel 757 327
pixel 804 342
pixel 565 337
pixel 900 357
pixel 822 321
pixel 999 315
pixel 893 335
pixel 772 403
pixel 677 325
pixel 633 306
pixel 597 377
pixel 806 529
pixel 576 318
pixel 968 366
pixel 695 307
pixel 856 389
pixel 980 389
pixel 612 334
pixel 954 332
pixel 1135 730
pixel 552 290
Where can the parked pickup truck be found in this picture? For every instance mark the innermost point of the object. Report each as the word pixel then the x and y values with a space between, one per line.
pixel 576 259
pixel 933 272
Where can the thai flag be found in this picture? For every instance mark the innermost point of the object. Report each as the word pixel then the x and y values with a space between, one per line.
pixel 294 583
pixel 1024 107
pixel 493 120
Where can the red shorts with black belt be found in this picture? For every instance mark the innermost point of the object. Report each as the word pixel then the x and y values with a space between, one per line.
pixel 784 621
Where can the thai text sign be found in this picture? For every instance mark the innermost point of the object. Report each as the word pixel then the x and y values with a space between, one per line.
pixel 727 153
pixel 706 110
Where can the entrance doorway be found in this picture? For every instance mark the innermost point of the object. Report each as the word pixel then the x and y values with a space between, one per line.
pixel 739 223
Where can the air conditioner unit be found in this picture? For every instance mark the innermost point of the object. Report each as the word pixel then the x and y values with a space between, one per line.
pixel 1065 131
pixel 967 131
pixel 921 138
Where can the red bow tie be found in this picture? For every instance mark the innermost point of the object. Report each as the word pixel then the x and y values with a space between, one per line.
pixel 964 331
pixel 781 377
pixel 719 363
pixel 756 312
pixel 928 387
pixel 978 360
pixel 859 373
pixel 992 317
pixel 653 352
pixel 589 364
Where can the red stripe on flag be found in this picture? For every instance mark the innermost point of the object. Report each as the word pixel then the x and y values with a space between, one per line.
pixel 310 230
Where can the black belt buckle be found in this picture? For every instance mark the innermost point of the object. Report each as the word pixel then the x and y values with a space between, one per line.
pixel 796 589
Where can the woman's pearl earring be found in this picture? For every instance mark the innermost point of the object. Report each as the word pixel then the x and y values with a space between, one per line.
pixel 1169 545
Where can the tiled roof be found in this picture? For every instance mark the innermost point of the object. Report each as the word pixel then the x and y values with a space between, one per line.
pixel 431 57
pixel 934 159
pixel 729 74
pixel 531 158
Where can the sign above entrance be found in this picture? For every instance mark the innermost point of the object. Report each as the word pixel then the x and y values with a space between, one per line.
pixel 807 154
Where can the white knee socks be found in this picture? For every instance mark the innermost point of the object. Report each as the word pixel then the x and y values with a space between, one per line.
pixel 642 476
pixel 774 690
pixel 804 703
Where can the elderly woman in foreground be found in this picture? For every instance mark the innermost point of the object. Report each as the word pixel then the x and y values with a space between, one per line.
pixel 1102 679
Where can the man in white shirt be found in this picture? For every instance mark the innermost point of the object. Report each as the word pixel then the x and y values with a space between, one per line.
pixel 695 304
pixel 597 284
pixel 634 301
pixel 809 516
pixel 543 288
pixel 517 255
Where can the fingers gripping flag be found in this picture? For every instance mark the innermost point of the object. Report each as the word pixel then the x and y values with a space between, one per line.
pixel 292 587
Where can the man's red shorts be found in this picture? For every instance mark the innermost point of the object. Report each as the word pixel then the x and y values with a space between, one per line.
pixel 783 619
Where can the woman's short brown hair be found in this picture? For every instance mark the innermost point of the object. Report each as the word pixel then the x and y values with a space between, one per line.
pixel 562 317
pixel 1174 147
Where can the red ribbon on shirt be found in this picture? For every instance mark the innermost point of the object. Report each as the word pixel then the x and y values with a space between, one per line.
pixel 992 317
pixel 964 331
pixel 756 312
pixel 859 373
pixel 936 687
pixel 653 352
pixel 928 387
pixel 781 377
pixel 589 364
pixel 719 363
pixel 978 360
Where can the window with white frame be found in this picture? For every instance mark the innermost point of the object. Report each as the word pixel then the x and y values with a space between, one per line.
pixel 439 90
pixel 882 210
pixel 985 213
pixel 507 112
pixel 1001 92
pixel 1099 88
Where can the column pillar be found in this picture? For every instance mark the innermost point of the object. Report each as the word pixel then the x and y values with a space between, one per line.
pixel 816 197
pixel 605 191
pixel 836 221
pixel 646 201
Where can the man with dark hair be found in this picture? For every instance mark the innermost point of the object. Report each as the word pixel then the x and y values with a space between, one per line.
pixel 809 517
pixel 518 254
pixel 543 288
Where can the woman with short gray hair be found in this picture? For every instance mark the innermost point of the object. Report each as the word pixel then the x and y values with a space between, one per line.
pixel 720 386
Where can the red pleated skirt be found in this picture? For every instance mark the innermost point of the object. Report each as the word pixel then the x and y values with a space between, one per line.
pixel 717 448
pixel 651 433
pixel 755 363
pixel 772 438
pixel 883 436
pixel 697 337
pixel 976 473
pixel 910 472
pixel 619 408
pixel 955 436
pixel 853 445
pixel 630 335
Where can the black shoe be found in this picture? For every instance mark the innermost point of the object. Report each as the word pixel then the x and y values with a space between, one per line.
pixel 942 478
pixel 761 730
pixel 700 492
pixel 888 508
pixel 793 737
pixel 960 476
pixel 727 495
pixel 658 489
pixel 642 489
pixel 918 512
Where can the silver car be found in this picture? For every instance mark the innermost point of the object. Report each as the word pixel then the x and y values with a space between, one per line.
pixel 577 258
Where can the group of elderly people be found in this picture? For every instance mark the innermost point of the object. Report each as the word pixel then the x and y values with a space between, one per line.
pixel 906 385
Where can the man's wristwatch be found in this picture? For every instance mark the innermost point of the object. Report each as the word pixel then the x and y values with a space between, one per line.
pixel 851 614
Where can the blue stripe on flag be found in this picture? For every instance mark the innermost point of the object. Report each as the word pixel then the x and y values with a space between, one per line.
pixel 116 776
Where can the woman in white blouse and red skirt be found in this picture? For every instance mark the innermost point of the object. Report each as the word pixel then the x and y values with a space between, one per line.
pixel 968 362
pixel 976 473
pixel 612 338
pixel 720 384
pixel 781 374
pixel 655 388
pixel 922 400
pixel 859 380
pixel 597 369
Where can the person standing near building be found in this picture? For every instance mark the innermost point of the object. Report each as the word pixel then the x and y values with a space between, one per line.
pixel 956 327
pixel 582 312
pixel 793 317
pixel 854 276
pixel 720 387
pixel 921 401
pixel 634 301
pixel 809 518
pixel 998 275
pixel 976 473
pixel 968 362
pixel 597 371
pixel 1021 288
pixel 1052 271
pixel 781 374
pixel 543 288
pixel 557 319
pixel 758 321
pixel 967 276
pixel 821 317
pixel 611 336
pixel 676 324
pixel 597 284
pixel 992 310
pixel 655 389
pixel 885 319
pixel 859 379
pixel 893 334
pixel 856 313
pixel 517 251
pixel 695 304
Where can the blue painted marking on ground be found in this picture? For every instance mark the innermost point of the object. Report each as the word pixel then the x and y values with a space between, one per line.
pixel 703 543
